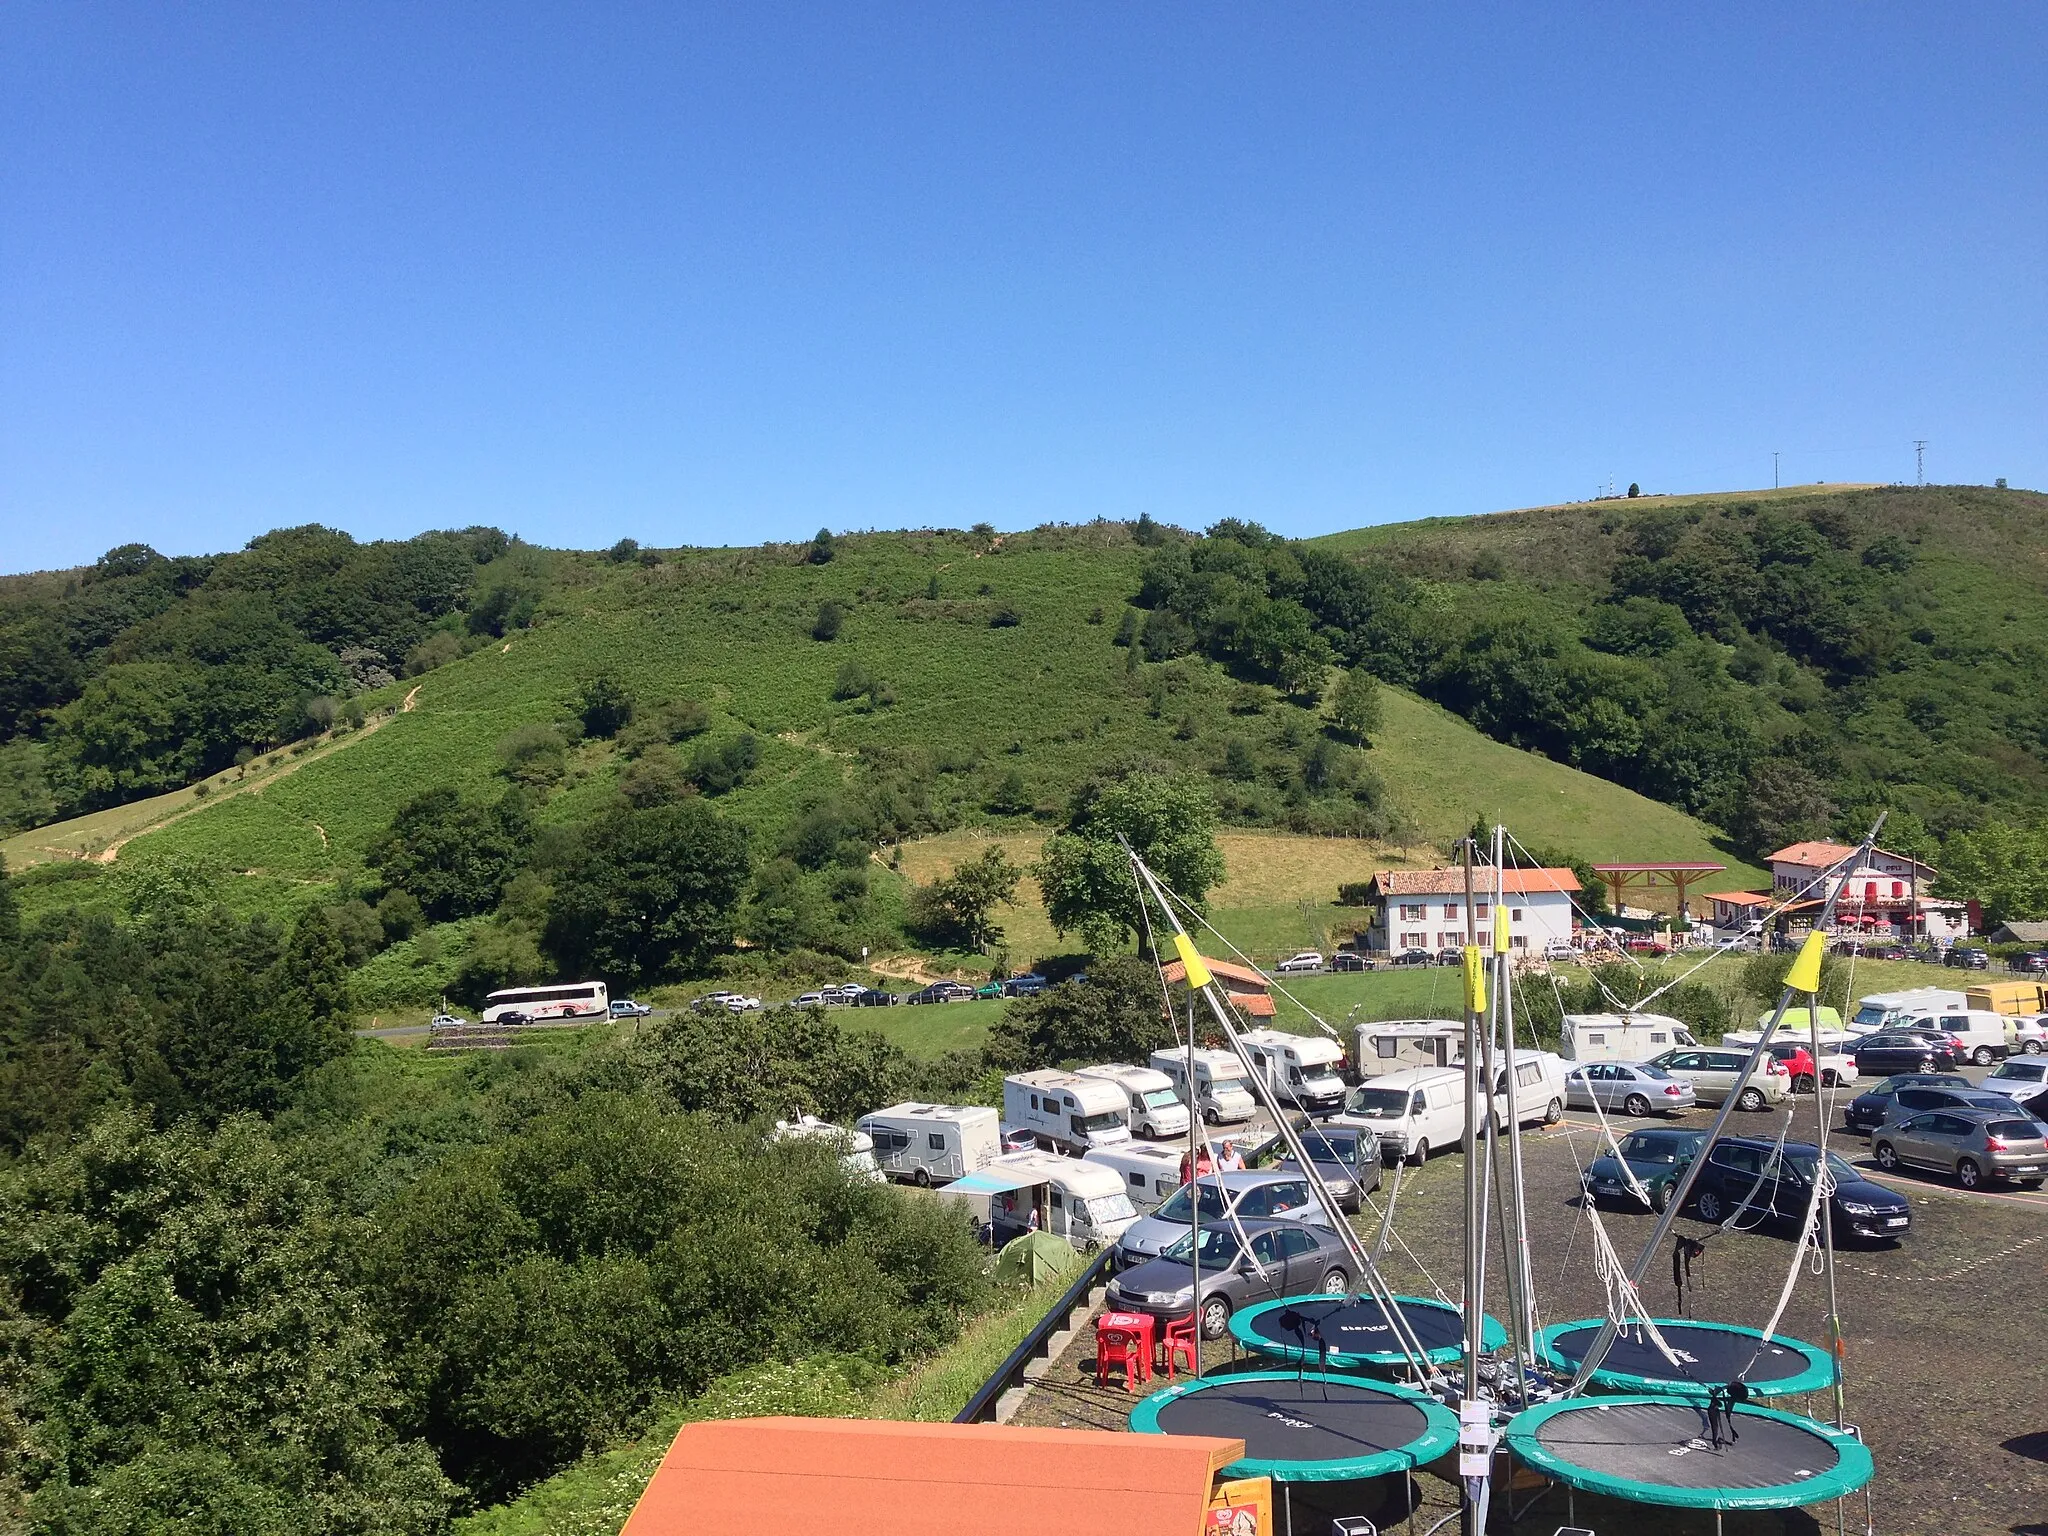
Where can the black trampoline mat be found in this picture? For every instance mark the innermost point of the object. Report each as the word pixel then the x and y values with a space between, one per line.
pixel 1665 1445
pixel 1298 1420
pixel 1711 1355
pixel 1360 1327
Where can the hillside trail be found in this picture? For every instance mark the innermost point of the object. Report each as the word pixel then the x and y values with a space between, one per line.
pixel 112 851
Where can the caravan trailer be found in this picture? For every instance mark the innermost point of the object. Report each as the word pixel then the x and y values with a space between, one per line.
pixel 1150 1174
pixel 1621 1036
pixel 926 1144
pixel 1394 1045
pixel 1886 1010
pixel 1083 1202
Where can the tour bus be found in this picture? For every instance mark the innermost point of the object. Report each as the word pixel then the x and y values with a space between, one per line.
pixel 571 1000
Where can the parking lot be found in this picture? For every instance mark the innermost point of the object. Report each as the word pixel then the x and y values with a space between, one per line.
pixel 1943 1372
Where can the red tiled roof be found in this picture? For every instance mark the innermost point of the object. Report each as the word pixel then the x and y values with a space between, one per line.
pixel 1233 977
pixel 1451 882
pixel 1737 898
pixel 1810 855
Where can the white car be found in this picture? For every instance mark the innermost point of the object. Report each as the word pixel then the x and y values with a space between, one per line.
pixel 447 1021
pixel 628 1008
pixel 810 1000
pixel 1307 960
pixel 732 1002
pixel 842 994
pixel 1558 949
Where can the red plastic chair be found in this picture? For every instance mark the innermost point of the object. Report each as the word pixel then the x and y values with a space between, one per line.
pixel 1118 1345
pixel 1180 1340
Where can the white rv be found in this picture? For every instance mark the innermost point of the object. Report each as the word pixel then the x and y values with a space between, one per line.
pixel 1150 1174
pixel 1297 1069
pixel 928 1144
pixel 856 1148
pixel 1882 1010
pixel 1395 1045
pixel 1083 1202
pixel 1155 1109
pixel 1064 1111
pixel 1218 1093
pixel 1621 1036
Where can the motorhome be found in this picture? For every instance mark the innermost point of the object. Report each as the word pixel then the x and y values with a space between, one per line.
pixel 1621 1036
pixel 1883 1010
pixel 1150 1174
pixel 856 1148
pixel 1297 1069
pixel 1210 1082
pixel 2012 998
pixel 1154 1109
pixel 926 1144
pixel 1065 1112
pixel 1395 1045
pixel 1083 1202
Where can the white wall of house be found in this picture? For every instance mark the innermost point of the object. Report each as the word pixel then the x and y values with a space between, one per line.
pixel 1438 922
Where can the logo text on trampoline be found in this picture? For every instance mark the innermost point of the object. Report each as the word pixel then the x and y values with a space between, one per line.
pixel 1274 1413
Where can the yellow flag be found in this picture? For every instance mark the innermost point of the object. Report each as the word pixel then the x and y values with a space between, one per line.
pixel 1500 929
pixel 1805 973
pixel 1198 969
pixel 1475 978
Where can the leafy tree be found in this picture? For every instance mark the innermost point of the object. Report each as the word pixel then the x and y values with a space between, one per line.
pixel 625 552
pixel 2003 865
pixel 650 891
pixel 399 914
pixel 823 547
pixel 655 777
pixel 831 618
pixel 963 903
pixel 1086 875
pixel 1356 711
pixel 1781 802
pixel 1011 796
pixel 1113 1016
pixel 604 706
pixel 533 754
pixel 452 855
pixel 10 909
pixel 715 770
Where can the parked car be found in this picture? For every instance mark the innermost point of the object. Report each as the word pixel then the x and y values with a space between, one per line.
pixel 809 1000
pixel 512 1018
pixel 1450 957
pixel 627 1008
pixel 1973 1145
pixel 1292 1258
pixel 847 992
pixel 1025 986
pixel 876 997
pixel 1634 1088
pixel 1645 944
pixel 943 992
pixel 1897 1050
pixel 1657 1157
pixel 1306 960
pixel 989 990
pixel 1798 1063
pixel 1909 1102
pixel 1716 1074
pixel 1751 1176
pixel 1414 957
pixel 1348 960
pixel 1558 949
pixel 2033 963
pixel 447 1021
pixel 1347 1157
pixel 2030 1034
pixel 1867 1110
pixel 1967 959
pixel 2024 1080
pixel 1244 1193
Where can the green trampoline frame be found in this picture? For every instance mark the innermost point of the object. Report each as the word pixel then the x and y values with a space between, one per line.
pixel 1440 1432
pixel 1492 1336
pixel 1851 1471
pixel 1818 1374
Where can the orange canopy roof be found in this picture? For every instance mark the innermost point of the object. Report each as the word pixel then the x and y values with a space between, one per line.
pixel 762 1475
pixel 1235 978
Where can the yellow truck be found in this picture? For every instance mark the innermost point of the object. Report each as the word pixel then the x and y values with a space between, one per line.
pixel 2011 998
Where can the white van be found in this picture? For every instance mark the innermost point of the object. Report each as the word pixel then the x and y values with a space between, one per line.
pixel 1150 1174
pixel 1218 1093
pixel 1297 1069
pixel 1154 1109
pixel 1415 1111
pixel 1621 1036
pixel 1986 1037
pixel 1539 1087
pixel 1065 1111
pixel 1395 1045
pixel 930 1144
pixel 856 1148
pixel 1882 1010
pixel 1082 1202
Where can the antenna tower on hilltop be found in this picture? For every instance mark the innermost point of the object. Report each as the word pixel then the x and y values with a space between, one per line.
pixel 1919 461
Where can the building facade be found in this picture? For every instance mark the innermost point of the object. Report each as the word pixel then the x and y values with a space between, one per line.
pixel 1884 896
pixel 1425 908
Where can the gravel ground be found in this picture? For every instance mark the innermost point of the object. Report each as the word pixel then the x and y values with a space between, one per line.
pixel 1944 1372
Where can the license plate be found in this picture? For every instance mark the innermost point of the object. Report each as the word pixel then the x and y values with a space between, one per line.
pixel 2035 1168
pixel 1896 1221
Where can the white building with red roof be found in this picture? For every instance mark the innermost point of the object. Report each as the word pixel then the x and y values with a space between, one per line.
pixel 1425 908
pixel 1884 895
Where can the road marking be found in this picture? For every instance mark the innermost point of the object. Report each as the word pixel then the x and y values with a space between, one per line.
pixel 1969 1268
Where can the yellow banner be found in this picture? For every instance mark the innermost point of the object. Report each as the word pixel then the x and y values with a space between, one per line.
pixel 1500 929
pixel 1475 978
pixel 1805 973
pixel 1198 969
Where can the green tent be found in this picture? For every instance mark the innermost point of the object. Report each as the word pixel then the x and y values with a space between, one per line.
pixel 1036 1257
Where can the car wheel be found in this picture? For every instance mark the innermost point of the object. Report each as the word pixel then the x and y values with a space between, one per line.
pixel 1831 1078
pixel 1635 1106
pixel 1421 1153
pixel 1926 1063
pixel 1887 1159
pixel 1660 1199
pixel 921 1178
pixel 1751 1099
pixel 1709 1205
pixel 1803 1083
pixel 1981 1056
pixel 2030 1183
pixel 1336 1283
pixel 1553 1112
pixel 2031 1047
pixel 1215 1317
pixel 1968 1174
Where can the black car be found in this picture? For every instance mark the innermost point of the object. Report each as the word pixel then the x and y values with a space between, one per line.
pixel 2034 963
pixel 1966 959
pixel 1413 957
pixel 1450 957
pixel 1025 986
pixel 875 997
pixel 1900 1050
pixel 1868 1109
pixel 1759 1180
pixel 943 992
pixel 1347 960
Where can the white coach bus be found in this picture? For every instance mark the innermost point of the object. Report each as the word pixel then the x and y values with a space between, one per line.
pixel 571 1000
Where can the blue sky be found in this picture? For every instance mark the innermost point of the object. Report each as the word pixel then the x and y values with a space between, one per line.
pixel 724 274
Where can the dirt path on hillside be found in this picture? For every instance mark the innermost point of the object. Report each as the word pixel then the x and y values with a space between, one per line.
pixel 112 851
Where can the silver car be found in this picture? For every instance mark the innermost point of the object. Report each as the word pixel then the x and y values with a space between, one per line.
pixel 1243 1193
pixel 1293 1259
pixel 1634 1088
pixel 1975 1145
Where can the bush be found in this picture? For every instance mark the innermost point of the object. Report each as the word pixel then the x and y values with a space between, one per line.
pixel 604 706
pixel 831 617
pixel 655 777
pixel 534 755
pixel 716 770
pixel 853 680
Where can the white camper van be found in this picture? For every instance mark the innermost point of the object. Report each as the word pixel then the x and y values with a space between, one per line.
pixel 1150 1174
pixel 1883 1010
pixel 1218 1093
pixel 1154 1108
pixel 1083 1202
pixel 1064 1111
pixel 1297 1069
pixel 1621 1036
pixel 1395 1045
pixel 856 1148
pixel 928 1144
pixel 1539 1087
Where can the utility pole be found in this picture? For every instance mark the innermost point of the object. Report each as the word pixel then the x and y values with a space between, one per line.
pixel 1474 1507
pixel 1774 469
pixel 1919 461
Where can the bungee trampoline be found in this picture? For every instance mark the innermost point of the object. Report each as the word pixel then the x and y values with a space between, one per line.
pixel 1665 1450
pixel 1305 1427
pixel 1351 1332
pixel 1712 1355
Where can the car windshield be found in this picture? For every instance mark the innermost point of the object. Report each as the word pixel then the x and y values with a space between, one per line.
pixel 1219 1248
pixel 1378 1103
pixel 1652 1149
pixel 1161 1098
pixel 1802 1164
pixel 1329 1149
pixel 1182 1204
pixel 1101 1210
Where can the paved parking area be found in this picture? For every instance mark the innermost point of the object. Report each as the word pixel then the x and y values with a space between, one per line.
pixel 1944 1370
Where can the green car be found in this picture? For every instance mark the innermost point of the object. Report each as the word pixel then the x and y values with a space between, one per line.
pixel 1657 1158
pixel 989 989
